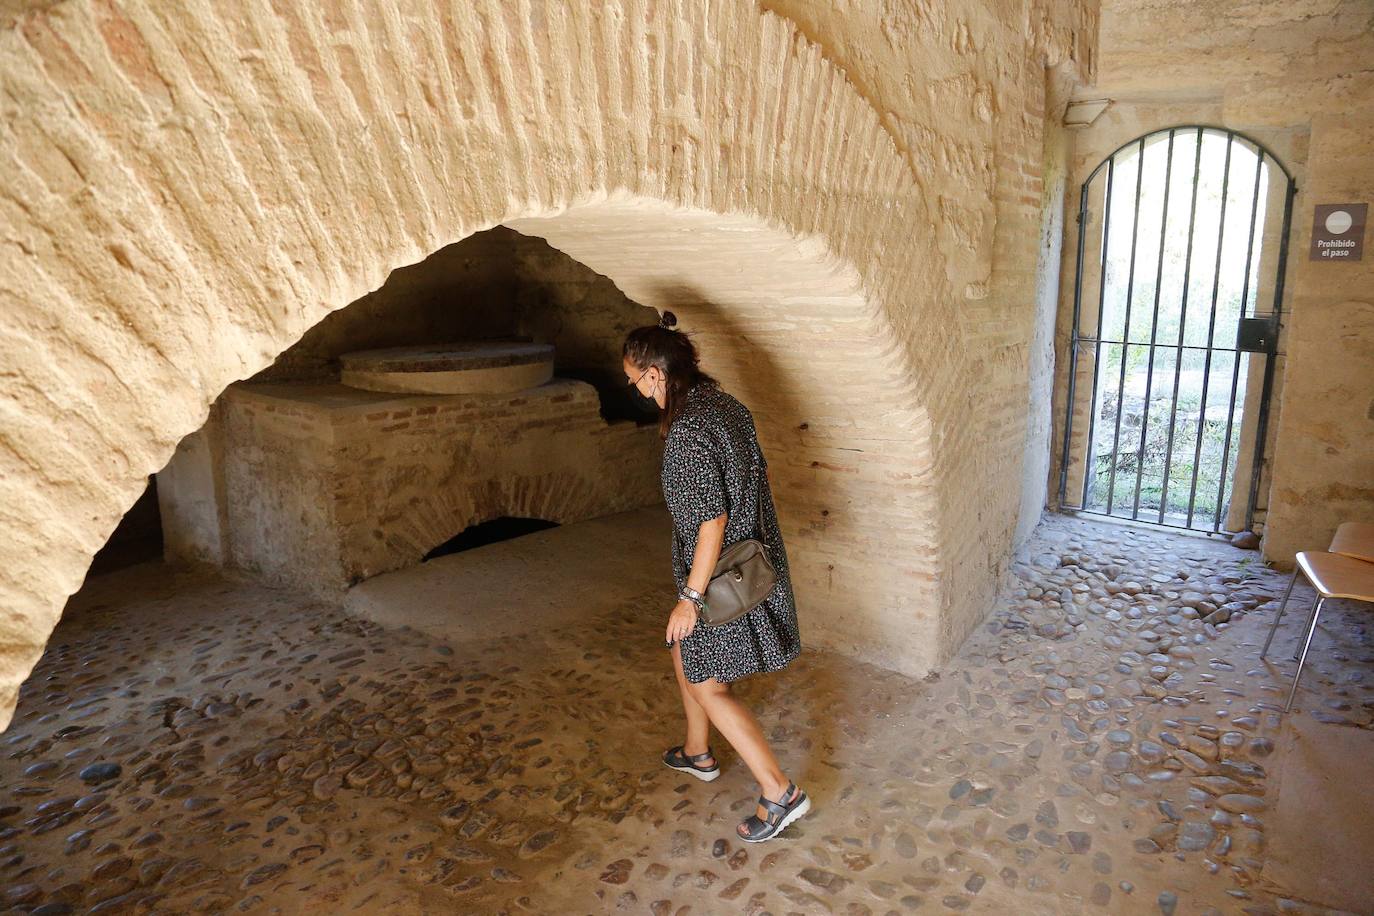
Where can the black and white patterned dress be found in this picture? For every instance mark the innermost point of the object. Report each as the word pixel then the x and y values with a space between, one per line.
pixel 712 463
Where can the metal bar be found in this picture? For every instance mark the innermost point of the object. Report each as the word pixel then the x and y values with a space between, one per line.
pixel 1080 342
pixel 1212 127
pixel 1279 616
pixel 1235 370
pixel 1088 472
pixel 1147 525
pixel 1151 524
pixel 1073 344
pixel 1269 360
pixel 1207 360
pixel 1154 326
pixel 1126 327
pixel 1182 326
pixel 1311 619
pixel 1169 346
pixel 1301 656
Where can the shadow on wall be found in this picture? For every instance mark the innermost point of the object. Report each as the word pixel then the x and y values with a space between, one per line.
pixel 728 350
pixel 493 285
pixel 724 343
pixel 788 326
pixel 137 539
pixel 493 531
pixel 561 301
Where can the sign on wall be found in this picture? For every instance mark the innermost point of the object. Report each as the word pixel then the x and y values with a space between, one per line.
pixel 1338 232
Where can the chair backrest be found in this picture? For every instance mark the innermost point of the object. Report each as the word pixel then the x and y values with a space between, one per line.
pixel 1354 539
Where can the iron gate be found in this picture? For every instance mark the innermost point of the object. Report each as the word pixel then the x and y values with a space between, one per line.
pixel 1169 329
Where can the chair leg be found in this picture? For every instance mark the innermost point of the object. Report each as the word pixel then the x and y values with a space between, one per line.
pixel 1279 616
pixel 1302 657
pixel 1310 626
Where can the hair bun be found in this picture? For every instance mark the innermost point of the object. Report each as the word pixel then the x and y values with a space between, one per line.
pixel 668 320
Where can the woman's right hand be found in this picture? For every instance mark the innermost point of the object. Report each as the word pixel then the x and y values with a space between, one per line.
pixel 681 621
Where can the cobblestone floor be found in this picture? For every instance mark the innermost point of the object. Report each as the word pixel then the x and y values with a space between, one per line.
pixel 190 744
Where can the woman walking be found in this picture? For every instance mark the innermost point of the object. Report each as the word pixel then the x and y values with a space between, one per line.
pixel 715 483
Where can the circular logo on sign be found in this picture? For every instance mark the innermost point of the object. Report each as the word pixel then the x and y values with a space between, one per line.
pixel 1338 222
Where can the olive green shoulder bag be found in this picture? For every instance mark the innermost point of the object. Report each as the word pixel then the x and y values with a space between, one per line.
pixel 744 576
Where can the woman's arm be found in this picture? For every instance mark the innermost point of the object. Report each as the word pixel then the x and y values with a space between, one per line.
pixel 710 536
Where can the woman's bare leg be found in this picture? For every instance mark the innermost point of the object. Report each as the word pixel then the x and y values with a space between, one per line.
pixel 734 720
pixel 698 723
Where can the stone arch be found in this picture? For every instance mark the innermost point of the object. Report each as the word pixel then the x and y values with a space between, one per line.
pixel 193 187
pixel 561 496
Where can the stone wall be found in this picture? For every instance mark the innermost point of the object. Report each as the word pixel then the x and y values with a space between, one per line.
pixel 1295 78
pixel 325 485
pixel 972 95
pixel 193 188
pixel 1039 445
pixel 192 496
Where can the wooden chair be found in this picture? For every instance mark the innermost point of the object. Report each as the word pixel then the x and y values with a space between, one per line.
pixel 1333 575
pixel 1354 539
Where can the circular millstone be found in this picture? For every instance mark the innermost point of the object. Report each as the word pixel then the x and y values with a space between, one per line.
pixel 463 368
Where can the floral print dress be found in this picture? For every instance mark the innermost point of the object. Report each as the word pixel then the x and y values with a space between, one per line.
pixel 712 464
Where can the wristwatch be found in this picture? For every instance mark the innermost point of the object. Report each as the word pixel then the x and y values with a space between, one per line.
pixel 694 596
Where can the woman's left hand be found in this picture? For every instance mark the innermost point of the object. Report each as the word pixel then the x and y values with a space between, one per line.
pixel 682 621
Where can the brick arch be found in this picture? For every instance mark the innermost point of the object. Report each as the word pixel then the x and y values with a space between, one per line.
pixel 561 496
pixel 189 190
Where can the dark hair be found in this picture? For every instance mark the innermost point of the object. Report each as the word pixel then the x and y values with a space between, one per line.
pixel 672 352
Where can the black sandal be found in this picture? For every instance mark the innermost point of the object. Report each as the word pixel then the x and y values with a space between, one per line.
pixel 675 758
pixel 779 816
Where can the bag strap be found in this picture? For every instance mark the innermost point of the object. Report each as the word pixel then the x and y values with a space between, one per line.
pixel 758 506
